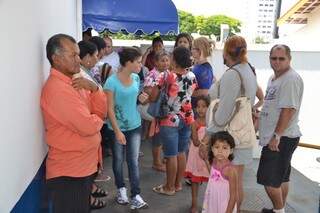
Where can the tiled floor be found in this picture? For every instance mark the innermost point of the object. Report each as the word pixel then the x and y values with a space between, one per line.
pixel 303 196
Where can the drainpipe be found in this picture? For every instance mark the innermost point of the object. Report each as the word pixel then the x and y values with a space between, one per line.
pixel 277 16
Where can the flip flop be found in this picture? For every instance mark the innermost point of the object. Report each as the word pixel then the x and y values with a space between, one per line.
pixel 159 169
pixel 97 204
pixel 159 189
pixel 178 189
pixel 99 192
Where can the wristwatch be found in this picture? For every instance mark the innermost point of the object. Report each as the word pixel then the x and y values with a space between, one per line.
pixel 276 136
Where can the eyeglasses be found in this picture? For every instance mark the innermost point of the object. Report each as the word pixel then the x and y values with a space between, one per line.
pixel 278 58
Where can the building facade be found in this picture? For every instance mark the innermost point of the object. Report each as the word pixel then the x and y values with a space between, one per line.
pixel 266 19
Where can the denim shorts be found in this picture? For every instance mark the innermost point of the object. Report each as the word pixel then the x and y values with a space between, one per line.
pixel 175 140
pixel 156 140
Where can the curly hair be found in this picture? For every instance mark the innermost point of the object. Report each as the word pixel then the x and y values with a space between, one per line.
pixel 220 136
pixel 183 35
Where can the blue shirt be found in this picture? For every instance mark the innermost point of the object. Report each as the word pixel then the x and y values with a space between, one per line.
pixel 125 102
pixel 204 75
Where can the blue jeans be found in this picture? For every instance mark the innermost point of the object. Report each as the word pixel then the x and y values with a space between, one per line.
pixel 175 140
pixel 130 151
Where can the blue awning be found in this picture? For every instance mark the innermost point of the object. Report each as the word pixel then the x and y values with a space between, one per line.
pixel 132 16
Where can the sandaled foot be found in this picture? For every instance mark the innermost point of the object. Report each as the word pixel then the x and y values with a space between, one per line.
pixel 178 188
pixel 160 190
pixel 102 177
pixel 159 168
pixel 99 192
pixel 97 203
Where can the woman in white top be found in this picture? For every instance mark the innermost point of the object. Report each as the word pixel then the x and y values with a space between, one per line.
pixel 235 57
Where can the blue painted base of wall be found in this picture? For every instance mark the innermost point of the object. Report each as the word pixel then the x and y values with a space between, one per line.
pixel 34 199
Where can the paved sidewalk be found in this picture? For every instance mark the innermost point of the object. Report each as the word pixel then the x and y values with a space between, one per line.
pixel 303 196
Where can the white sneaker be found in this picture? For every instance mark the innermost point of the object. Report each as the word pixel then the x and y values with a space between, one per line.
pixel 138 203
pixel 122 197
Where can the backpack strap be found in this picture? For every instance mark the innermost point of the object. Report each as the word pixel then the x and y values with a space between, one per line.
pixel 105 72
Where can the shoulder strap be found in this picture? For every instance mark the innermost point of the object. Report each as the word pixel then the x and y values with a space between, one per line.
pixel 165 81
pixel 105 71
pixel 242 89
pixel 237 104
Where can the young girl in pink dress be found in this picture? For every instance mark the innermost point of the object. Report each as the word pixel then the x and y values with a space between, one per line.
pixel 221 192
pixel 196 169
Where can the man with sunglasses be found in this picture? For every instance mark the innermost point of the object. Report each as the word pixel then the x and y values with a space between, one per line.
pixel 278 127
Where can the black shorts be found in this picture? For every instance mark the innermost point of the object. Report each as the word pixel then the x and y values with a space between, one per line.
pixel 275 167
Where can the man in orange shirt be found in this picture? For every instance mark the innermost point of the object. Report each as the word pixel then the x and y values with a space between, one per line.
pixel 74 109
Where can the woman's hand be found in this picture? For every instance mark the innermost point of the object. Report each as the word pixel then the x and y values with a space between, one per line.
pixel 83 83
pixel 143 98
pixel 120 138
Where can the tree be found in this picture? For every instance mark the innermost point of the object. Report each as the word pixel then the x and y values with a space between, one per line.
pixel 260 40
pixel 211 25
pixel 187 22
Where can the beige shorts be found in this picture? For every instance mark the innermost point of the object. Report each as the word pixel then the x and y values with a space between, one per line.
pixel 242 156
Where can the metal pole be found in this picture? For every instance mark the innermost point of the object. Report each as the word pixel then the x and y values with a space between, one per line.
pixel 277 16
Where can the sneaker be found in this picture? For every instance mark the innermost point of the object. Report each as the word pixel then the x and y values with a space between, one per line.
pixel 122 197
pixel 138 203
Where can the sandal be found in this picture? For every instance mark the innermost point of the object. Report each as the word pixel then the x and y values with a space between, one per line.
pixel 97 204
pixel 99 192
pixel 178 189
pixel 159 168
pixel 160 190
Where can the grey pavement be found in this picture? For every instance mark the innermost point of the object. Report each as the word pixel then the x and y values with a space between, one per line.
pixel 303 195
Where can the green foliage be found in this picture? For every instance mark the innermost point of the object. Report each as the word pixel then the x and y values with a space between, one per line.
pixel 260 40
pixel 187 22
pixel 213 24
pixel 207 25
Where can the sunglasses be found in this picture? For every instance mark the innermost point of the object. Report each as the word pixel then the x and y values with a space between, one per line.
pixel 278 58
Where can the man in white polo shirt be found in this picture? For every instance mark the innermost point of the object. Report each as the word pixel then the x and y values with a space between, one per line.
pixel 111 57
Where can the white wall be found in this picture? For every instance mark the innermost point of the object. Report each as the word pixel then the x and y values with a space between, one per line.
pixel 304 37
pixel 25 29
pixel 307 64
